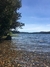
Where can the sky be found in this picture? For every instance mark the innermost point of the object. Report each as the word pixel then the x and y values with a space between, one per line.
pixel 35 15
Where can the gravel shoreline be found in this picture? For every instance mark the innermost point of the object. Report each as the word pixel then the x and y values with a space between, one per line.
pixel 9 57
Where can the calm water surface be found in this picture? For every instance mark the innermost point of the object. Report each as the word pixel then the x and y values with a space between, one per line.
pixel 32 42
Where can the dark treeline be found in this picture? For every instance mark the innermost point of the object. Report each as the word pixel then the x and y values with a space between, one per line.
pixel 9 16
pixel 15 32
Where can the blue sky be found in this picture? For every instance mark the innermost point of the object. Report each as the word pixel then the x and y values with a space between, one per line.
pixel 35 15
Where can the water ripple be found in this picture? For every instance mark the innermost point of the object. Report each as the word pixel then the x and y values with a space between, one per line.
pixel 33 42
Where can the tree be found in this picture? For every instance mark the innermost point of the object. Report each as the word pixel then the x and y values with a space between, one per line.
pixel 9 16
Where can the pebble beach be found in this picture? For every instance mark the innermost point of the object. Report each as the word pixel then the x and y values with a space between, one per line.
pixel 10 57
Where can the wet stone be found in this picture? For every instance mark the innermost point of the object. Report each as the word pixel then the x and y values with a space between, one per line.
pixel 9 57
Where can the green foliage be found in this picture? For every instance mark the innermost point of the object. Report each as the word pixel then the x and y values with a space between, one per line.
pixel 9 15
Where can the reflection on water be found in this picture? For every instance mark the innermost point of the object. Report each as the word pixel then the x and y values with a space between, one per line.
pixel 32 42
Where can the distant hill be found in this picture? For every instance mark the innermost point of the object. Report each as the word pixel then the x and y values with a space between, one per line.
pixel 14 32
pixel 41 32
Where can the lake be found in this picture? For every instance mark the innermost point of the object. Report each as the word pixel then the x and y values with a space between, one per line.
pixel 32 42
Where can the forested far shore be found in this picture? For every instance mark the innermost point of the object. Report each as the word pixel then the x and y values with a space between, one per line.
pixel 14 32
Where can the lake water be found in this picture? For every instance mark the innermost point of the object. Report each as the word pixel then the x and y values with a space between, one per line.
pixel 32 42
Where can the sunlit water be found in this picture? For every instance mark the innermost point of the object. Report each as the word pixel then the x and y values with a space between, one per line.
pixel 32 42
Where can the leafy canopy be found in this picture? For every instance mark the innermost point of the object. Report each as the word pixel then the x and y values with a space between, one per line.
pixel 9 15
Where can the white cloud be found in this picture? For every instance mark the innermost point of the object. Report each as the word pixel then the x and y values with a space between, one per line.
pixel 48 25
pixel 39 18
pixel 34 28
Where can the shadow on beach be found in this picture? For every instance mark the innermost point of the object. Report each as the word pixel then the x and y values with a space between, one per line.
pixel 10 57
